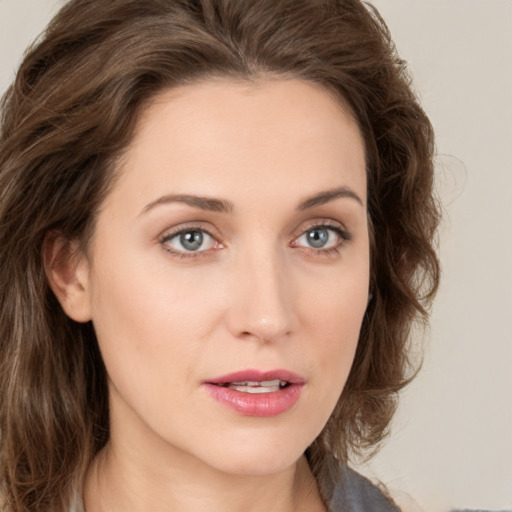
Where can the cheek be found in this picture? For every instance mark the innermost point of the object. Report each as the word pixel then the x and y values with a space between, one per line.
pixel 146 324
pixel 332 317
pixel 338 335
pixel 335 304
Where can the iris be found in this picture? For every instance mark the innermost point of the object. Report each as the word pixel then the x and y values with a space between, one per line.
pixel 318 237
pixel 191 240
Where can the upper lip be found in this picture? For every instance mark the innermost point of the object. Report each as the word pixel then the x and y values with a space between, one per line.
pixel 258 376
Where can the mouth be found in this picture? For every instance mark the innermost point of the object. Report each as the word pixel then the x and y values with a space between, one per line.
pixel 256 387
pixel 255 393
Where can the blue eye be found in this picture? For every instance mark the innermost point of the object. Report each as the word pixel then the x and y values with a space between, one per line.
pixel 190 240
pixel 318 238
pixel 322 238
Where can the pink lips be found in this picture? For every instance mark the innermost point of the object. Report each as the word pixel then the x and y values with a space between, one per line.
pixel 260 404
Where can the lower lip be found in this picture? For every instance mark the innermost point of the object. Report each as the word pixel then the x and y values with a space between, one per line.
pixel 256 404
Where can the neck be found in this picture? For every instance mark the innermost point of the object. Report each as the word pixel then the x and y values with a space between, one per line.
pixel 117 483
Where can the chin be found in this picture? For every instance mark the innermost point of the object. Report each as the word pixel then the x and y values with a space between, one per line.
pixel 258 458
pixel 259 466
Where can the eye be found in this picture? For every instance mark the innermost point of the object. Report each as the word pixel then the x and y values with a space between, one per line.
pixel 188 240
pixel 322 238
pixel 318 238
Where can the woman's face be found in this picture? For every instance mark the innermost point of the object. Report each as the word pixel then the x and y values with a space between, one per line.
pixel 228 275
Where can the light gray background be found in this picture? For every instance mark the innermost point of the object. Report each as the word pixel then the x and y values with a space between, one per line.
pixel 451 444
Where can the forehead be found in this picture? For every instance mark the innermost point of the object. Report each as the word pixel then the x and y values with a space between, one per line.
pixel 223 137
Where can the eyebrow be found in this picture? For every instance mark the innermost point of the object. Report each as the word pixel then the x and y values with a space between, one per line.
pixel 223 206
pixel 204 203
pixel 329 195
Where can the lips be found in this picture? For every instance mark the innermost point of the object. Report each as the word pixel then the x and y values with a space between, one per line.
pixel 256 393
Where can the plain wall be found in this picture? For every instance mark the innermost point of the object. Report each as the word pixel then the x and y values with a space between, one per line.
pixel 451 444
pixel 452 441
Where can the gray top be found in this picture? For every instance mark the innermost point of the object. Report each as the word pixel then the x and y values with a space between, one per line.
pixel 344 490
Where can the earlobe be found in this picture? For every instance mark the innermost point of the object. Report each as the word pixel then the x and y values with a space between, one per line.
pixel 67 271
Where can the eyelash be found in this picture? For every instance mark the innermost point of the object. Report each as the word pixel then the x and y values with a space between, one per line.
pixel 184 254
pixel 343 235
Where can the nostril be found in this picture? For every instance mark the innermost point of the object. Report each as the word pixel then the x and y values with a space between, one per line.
pixel 264 335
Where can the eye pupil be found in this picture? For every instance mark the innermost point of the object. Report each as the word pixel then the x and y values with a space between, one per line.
pixel 318 237
pixel 191 240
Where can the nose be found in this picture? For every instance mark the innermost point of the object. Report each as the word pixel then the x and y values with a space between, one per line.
pixel 261 298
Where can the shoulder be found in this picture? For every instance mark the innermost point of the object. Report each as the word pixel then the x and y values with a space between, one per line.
pixel 345 490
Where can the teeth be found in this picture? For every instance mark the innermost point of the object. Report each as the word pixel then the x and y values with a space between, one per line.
pixel 265 386
pixel 255 389
pixel 275 382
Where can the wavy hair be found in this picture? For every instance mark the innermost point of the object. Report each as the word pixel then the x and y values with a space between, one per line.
pixel 65 122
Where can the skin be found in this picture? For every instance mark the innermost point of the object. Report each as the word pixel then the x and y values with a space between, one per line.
pixel 255 295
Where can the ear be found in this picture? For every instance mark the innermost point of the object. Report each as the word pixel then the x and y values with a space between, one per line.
pixel 67 271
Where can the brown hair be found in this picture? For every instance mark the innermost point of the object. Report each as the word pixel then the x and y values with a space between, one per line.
pixel 65 121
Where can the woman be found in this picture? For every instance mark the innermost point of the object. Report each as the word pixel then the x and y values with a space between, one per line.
pixel 216 233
